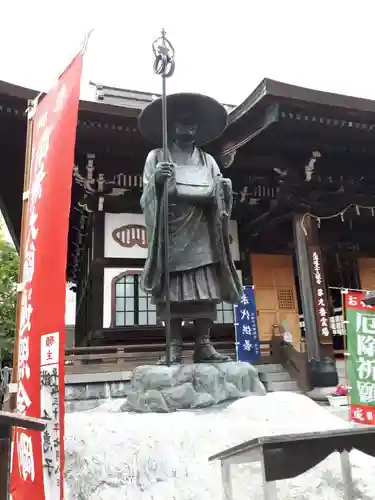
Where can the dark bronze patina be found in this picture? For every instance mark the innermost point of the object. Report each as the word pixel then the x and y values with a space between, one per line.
pixel 200 267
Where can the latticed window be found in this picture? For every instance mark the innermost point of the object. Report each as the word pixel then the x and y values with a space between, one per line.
pixel 133 306
pixel 285 299
pixel 225 313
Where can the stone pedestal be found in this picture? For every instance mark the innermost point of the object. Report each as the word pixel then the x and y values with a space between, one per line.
pixel 166 389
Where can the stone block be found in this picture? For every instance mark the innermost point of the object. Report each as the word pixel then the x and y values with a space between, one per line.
pixel 75 392
pixel 119 389
pixel 79 392
pixel 167 389
pixel 96 391
pixel 82 405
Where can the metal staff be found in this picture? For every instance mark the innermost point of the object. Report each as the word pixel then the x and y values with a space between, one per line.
pixel 164 65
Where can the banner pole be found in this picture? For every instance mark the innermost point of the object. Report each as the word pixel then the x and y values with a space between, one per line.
pixel 25 205
pixel 348 289
pixel 345 340
pixel 11 405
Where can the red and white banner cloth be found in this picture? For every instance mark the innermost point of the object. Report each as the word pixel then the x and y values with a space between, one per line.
pixel 38 458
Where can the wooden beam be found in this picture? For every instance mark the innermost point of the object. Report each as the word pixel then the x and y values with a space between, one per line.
pixel 15 420
pixel 244 134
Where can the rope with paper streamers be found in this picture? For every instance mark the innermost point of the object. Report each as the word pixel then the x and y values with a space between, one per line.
pixel 338 214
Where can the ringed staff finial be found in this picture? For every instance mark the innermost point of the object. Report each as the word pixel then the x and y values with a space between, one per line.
pixel 164 65
pixel 164 52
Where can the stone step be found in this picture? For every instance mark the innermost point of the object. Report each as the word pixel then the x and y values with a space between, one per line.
pixel 275 377
pixel 341 368
pixel 287 385
pixel 269 368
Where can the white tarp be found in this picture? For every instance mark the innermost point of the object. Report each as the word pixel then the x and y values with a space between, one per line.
pixel 112 455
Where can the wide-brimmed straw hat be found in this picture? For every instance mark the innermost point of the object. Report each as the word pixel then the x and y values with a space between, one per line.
pixel 209 115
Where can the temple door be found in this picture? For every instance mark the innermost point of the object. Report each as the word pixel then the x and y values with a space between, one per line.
pixel 366 267
pixel 275 295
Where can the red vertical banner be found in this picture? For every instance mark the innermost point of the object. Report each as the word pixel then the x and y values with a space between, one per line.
pixel 38 458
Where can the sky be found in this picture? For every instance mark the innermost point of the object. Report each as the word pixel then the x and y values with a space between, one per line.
pixel 4 233
pixel 223 49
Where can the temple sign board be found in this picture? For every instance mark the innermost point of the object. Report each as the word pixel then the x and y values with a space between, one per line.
pixel 125 236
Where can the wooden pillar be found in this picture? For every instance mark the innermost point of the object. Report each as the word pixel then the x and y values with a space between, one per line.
pixel 98 240
pixel 314 298
pixel 245 261
pixel 4 463
pixel 97 276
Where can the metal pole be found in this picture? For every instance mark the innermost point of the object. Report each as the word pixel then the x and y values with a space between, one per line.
pixel 164 66
pixel 345 341
pixel 168 333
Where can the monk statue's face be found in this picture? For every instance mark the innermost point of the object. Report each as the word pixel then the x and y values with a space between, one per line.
pixel 185 129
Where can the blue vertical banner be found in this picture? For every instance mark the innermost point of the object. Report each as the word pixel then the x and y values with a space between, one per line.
pixel 246 327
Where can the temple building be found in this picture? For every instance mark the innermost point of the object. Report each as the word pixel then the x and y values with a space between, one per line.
pixel 304 204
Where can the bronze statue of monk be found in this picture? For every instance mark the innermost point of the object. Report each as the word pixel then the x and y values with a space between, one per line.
pixel 202 273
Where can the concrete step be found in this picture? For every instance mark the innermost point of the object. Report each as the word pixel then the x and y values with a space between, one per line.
pixel 287 385
pixel 271 368
pixel 275 376
pixel 341 366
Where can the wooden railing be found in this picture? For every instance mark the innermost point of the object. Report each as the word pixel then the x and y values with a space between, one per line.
pixel 338 353
pixel 95 359
pixel 294 361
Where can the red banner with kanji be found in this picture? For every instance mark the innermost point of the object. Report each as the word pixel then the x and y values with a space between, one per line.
pixel 38 458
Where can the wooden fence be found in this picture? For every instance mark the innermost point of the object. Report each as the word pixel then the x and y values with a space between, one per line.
pixel 96 359
pixel 104 359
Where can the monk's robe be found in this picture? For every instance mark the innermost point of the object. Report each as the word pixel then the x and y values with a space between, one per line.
pixel 202 273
